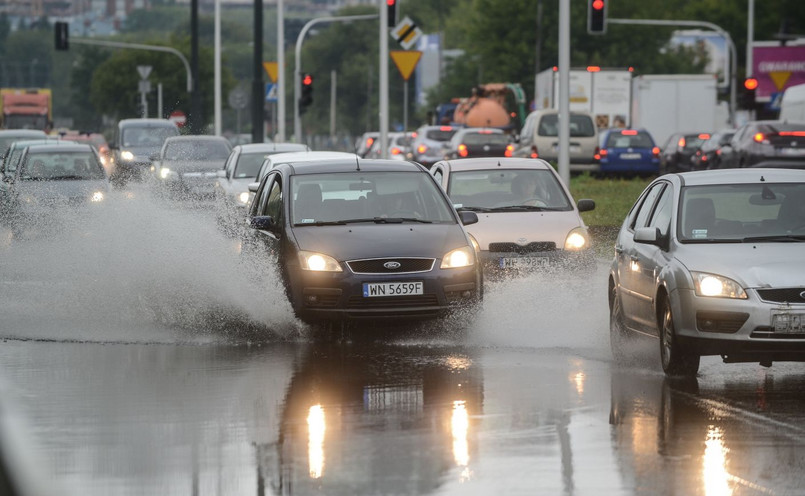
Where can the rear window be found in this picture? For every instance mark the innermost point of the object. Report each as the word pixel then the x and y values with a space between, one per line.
pixel 580 125
pixel 197 150
pixel 147 136
pixel 440 135
pixel 620 140
pixel 485 139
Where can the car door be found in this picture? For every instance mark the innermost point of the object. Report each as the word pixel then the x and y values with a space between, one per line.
pixel 271 204
pixel 650 259
pixel 628 262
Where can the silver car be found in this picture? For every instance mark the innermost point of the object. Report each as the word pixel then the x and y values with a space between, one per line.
pixel 711 263
pixel 187 166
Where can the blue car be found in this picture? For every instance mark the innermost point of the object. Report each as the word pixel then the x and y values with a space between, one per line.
pixel 629 151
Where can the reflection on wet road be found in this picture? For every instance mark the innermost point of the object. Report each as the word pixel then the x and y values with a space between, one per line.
pixel 161 364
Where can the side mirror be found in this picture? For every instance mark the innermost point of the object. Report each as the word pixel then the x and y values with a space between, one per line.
pixel 586 205
pixel 221 173
pixel 262 223
pixel 253 187
pixel 649 236
pixel 153 157
pixel 468 217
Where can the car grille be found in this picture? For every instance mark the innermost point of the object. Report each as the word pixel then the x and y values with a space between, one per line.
pixel 425 300
pixel 376 265
pixel 782 295
pixel 535 246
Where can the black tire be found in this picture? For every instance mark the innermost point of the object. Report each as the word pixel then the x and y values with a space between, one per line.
pixel 675 359
pixel 617 329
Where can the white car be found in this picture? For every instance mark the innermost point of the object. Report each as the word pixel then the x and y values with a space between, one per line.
pixel 527 218
pixel 711 263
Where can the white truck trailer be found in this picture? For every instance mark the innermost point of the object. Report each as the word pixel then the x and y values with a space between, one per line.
pixel 676 103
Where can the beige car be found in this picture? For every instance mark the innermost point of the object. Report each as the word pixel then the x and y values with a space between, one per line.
pixel 527 218
pixel 539 138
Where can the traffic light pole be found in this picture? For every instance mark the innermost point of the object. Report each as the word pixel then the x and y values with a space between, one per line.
pixel 297 77
pixel 733 56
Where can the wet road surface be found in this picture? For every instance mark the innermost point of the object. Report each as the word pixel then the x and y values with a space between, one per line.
pixel 137 363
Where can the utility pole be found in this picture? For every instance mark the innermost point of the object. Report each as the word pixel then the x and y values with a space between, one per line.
pixel 257 75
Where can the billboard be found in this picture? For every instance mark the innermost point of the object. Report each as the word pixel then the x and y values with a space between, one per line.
pixel 776 68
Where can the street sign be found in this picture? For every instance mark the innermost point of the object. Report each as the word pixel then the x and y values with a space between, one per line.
pixel 271 92
pixel 144 86
pixel 271 69
pixel 405 61
pixel 774 102
pixel 144 70
pixel 178 117
pixel 406 33
pixel 238 99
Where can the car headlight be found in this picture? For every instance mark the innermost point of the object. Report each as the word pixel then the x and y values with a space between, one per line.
pixel 127 156
pixel 577 240
pixel 165 172
pixel 318 262
pixel 244 197
pixel 718 286
pixel 460 257
pixel 97 197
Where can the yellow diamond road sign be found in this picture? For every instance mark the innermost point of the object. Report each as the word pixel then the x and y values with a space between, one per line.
pixel 271 70
pixel 406 33
pixel 406 61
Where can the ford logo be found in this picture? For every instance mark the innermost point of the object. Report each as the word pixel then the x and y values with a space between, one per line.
pixel 802 295
pixel 392 265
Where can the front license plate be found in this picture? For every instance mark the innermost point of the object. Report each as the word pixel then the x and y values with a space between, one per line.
pixel 372 289
pixel 792 323
pixel 523 262
pixel 630 156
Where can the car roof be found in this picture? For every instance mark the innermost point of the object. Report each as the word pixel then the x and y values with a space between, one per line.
pixel 271 147
pixel 741 176
pixel 63 146
pixel 196 137
pixel 485 163
pixel 139 122
pixel 353 165
pixel 297 157
pixel 21 132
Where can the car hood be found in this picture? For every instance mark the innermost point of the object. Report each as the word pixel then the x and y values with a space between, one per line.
pixel 61 190
pixel 357 241
pixel 754 265
pixel 523 227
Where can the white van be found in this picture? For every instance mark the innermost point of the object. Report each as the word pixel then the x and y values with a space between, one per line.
pixel 539 138
pixel 792 106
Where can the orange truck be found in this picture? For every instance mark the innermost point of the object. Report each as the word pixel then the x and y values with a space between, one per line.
pixel 26 108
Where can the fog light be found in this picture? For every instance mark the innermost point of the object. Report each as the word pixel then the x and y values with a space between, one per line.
pixel 311 298
pixel 466 294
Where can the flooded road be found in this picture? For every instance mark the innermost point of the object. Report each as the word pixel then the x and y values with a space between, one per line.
pixel 146 358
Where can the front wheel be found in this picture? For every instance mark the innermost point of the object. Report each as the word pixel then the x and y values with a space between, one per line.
pixel 617 329
pixel 676 360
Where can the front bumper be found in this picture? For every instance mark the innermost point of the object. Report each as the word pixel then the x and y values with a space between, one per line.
pixel 323 296
pixel 740 330
pixel 503 263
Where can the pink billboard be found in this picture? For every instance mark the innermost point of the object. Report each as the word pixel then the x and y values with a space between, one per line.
pixel 776 68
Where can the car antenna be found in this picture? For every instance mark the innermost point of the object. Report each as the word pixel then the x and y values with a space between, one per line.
pixel 762 179
pixel 357 164
pixel 498 163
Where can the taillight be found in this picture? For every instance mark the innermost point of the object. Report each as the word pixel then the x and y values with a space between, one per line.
pixel 445 128
pixel 509 151
pixel 534 153
pixel 704 136
pixel 704 158
pixel 792 133
pixel 718 152
pixel 395 151
pixel 681 142
pixel 603 153
pixel 759 137
pixel 369 142
pixel 597 154
pixel 421 149
pixel 629 132
pixel 656 151
pixel 462 150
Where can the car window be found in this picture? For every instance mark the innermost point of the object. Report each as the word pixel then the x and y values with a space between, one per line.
pixel 438 174
pixel 248 165
pixel 647 206
pixel 196 150
pixel 442 134
pixel 485 138
pixel 61 166
pixel 261 198
pixel 733 212
pixel 662 214
pixel 630 140
pixel 506 188
pixel 580 125
pixel 273 205
pixel 367 195
pixel 146 136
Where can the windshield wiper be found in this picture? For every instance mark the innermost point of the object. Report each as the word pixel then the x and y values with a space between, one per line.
pixel 386 220
pixel 521 208
pixel 780 237
pixel 321 223
pixel 69 177
pixel 474 209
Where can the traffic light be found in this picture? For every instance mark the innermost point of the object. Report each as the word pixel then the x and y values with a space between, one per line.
pixel 62 35
pixel 748 94
pixel 391 7
pixel 307 93
pixel 596 16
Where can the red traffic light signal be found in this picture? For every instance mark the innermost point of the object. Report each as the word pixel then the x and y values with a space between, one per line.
pixel 391 9
pixel 596 16
pixel 750 83
pixel 307 80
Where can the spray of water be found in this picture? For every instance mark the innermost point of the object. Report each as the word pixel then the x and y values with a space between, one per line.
pixel 136 270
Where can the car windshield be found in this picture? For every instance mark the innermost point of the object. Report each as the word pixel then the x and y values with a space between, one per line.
pixel 485 139
pixel 503 189
pixel 249 165
pixel 580 125
pixel 146 136
pixel 54 166
pixel 442 134
pixel 367 197
pixel 197 150
pixel 738 212
pixel 628 140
